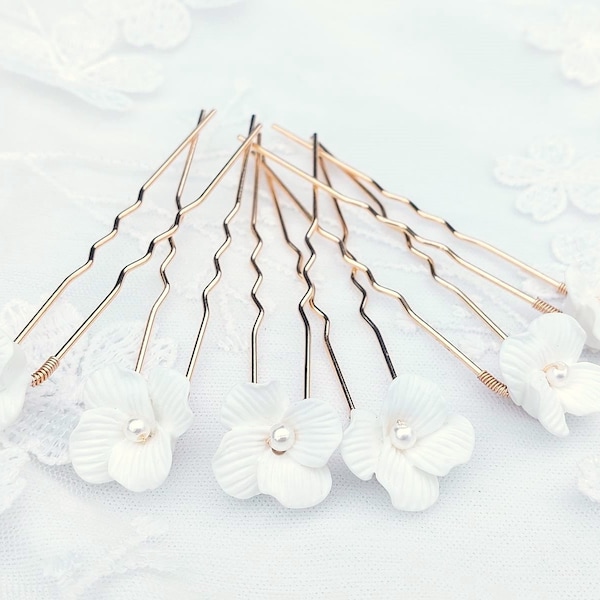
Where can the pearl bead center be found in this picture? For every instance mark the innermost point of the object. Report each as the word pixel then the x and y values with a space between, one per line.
pixel 557 374
pixel 402 436
pixel 282 438
pixel 137 430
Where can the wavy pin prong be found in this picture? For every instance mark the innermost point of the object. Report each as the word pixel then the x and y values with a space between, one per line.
pixel 484 376
pixel 193 135
pixel 302 270
pixel 360 176
pixel 168 233
pixel 404 229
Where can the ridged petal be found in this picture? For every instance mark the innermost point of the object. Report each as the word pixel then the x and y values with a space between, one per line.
pixel 235 463
pixel 581 392
pixel 142 466
pixel 409 488
pixel 520 356
pixel 92 441
pixel 541 402
pixel 291 483
pixel 116 387
pixel 361 444
pixel 14 381
pixel 169 391
pixel 249 404
pixel 317 429
pixel 562 338
pixel 416 401
pixel 444 449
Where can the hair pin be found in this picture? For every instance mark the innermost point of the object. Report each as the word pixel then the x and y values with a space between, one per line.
pixel 547 379
pixel 14 377
pixel 413 440
pixel 275 447
pixel 128 430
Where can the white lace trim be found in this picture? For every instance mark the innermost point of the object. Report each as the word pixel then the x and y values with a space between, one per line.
pixel 78 49
pixel 576 36
pixel 551 179
pixel 52 410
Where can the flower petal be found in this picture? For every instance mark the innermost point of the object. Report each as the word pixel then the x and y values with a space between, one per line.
pixel 236 462
pixel 250 404
pixel 116 387
pixel 92 441
pixel 317 429
pixel 581 393
pixel 562 337
pixel 142 466
pixel 415 400
pixel 14 381
pixel 361 444
pixel 544 201
pixel 541 402
pixel 581 63
pixel 169 391
pixel 291 483
pixel 444 449
pixel 550 338
pixel 409 488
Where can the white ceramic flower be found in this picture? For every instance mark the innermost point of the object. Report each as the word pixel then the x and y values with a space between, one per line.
pixel 274 447
pixel 14 380
pixel 410 444
pixel 128 431
pixel 589 477
pixel 543 376
pixel 583 303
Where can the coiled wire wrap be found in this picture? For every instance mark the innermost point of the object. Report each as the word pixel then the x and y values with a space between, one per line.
pixel 45 371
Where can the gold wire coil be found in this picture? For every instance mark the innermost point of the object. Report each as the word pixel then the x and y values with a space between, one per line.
pixel 545 307
pixel 45 371
pixel 562 289
pixel 493 384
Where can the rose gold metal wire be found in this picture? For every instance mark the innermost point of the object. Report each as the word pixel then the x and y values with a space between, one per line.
pixel 356 174
pixel 408 238
pixel 302 272
pixel 484 376
pixel 115 229
pixel 167 261
pixel 157 240
pixel 402 227
pixel 259 275
pixel 217 263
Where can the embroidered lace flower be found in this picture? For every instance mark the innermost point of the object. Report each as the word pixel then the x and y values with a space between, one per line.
pixel 589 477
pixel 552 179
pixel 14 380
pixel 577 37
pixel 583 303
pixel 541 369
pixel 274 447
pixel 130 425
pixel 410 444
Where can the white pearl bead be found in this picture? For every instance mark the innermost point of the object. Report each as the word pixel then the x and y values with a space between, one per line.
pixel 402 436
pixel 557 374
pixel 282 438
pixel 137 430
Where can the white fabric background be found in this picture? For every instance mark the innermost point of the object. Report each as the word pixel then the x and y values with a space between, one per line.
pixel 428 97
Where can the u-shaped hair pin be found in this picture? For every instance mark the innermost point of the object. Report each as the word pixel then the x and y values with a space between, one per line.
pixel 131 422
pixel 536 364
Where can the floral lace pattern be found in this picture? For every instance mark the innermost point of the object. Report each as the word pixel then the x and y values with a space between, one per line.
pixel 577 37
pixel 552 179
pixel 52 410
pixel 78 50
